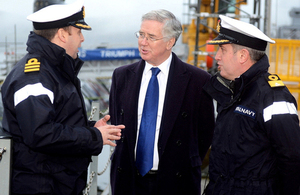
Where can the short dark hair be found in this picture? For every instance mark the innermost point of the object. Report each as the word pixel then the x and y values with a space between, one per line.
pixel 50 33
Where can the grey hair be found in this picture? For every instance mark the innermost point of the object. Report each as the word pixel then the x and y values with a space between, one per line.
pixel 172 27
pixel 255 55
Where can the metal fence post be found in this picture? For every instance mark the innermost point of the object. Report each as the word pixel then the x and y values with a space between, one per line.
pixel 94 163
pixel 5 162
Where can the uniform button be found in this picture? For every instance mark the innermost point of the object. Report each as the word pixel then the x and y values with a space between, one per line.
pixel 138 173
pixel 178 143
pixel 178 175
pixel 119 169
pixel 184 115
pixel 122 112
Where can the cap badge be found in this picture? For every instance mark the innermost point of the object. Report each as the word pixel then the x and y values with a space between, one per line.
pixel 83 12
pixel 218 26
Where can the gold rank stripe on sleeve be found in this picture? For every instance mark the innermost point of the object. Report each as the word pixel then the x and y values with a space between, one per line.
pixel 32 65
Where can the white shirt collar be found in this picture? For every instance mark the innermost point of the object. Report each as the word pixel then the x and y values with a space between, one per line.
pixel 164 67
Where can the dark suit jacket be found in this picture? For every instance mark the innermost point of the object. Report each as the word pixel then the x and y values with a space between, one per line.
pixel 185 133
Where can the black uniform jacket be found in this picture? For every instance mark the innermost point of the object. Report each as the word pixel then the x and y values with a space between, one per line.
pixel 185 132
pixel 256 144
pixel 45 112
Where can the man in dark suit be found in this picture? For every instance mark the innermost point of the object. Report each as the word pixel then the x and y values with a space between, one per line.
pixel 182 127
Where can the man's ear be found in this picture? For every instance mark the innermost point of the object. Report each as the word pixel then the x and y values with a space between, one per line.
pixel 170 43
pixel 244 56
pixel 62 35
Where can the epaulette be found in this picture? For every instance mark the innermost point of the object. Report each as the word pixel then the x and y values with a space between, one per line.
pixel 32 65
pixel 274 80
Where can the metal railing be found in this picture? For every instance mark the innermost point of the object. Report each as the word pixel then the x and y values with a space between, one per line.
pixel 284 58
pixel 92 185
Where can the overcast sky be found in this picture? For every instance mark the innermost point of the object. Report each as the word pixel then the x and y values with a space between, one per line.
pixel 114 22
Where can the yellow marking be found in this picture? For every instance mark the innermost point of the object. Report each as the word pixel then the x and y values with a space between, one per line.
pixel 274 81
pixel 32 65
pixel 82 25
pixel 32 61
pixel 83 12
pixel 32 70
pixel 219 41
pixel 218 26
pixel 273 77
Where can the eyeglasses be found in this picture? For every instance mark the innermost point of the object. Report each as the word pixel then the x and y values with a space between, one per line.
pixel 141 35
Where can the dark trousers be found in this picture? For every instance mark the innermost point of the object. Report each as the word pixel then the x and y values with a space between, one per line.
pixel 63 183
pixel 146 185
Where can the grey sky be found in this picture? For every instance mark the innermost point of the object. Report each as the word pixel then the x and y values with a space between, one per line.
pixel 112 21
pixel 115 21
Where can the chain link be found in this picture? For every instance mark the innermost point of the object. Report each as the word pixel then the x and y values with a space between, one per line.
pixel 92 174
pixel 104 113
pixel 107 163
pixel 93 111
pixel 2 150
pixel 88 188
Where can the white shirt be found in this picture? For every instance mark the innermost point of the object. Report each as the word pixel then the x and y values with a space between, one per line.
pixel 162 78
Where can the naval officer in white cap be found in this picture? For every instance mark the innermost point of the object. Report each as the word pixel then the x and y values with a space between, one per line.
pixel 256 144
pixel 44 108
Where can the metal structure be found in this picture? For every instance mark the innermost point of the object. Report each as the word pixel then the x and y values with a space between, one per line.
pixel 291 31
pixel 92 183
pixel 39 4
pixel 284 57
pixel 5 162
pixel 203 17
pixel 285 54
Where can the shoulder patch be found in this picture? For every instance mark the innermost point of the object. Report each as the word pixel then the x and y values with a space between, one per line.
pixel 274 80
pixel 32 65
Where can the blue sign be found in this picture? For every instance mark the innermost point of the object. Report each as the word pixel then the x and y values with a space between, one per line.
pixel 109 54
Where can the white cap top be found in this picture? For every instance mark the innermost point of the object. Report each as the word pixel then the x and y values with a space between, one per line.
pixel 56 12
pixel 244 28
pixel 60 15
pixel 241 33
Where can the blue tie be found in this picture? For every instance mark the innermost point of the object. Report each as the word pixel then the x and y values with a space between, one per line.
pixel 145 146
